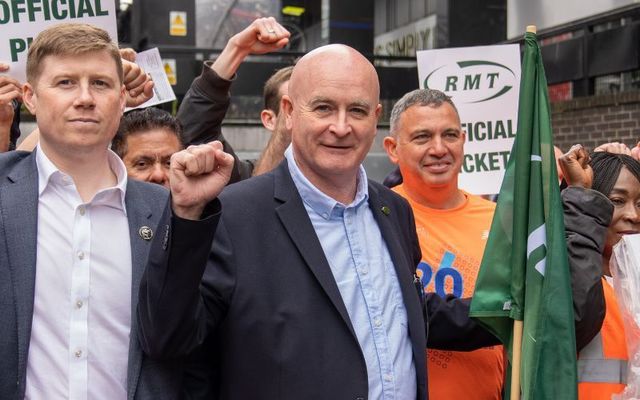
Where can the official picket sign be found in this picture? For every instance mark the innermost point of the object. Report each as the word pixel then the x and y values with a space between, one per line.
pixel 22 20
pixel 484 84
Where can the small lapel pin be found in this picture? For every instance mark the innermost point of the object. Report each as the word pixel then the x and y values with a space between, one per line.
pixel 145 232
pixel 385 210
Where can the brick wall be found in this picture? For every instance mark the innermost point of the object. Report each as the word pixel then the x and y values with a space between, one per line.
pixel 597 119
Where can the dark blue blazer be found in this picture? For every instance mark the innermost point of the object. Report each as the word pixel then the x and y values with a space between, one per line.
pixel 146 379
pixel 265 296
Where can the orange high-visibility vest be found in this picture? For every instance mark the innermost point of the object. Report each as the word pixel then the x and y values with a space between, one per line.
pixel 602 364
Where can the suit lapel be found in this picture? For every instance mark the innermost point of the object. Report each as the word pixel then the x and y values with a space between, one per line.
pixel 404 270
pixel 296 221
pixel 138 215
pixel 390 233
pixel 19 207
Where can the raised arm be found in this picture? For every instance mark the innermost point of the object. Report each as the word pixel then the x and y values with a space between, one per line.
pixel 207 100
pixel 587 215
pixel 172 321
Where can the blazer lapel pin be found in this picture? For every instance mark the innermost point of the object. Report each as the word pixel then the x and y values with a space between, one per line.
pixel 385 210
pixel 145 233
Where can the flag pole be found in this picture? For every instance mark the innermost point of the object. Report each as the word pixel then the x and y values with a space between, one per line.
pixel 515 365
pixel 517 329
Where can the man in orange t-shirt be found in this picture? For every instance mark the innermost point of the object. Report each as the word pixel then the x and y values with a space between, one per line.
pixel 427 143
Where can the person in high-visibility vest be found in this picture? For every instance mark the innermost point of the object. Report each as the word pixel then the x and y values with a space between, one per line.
pixel 602 364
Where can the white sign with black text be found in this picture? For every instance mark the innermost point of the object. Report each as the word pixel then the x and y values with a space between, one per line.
pixel 484 84
pixel 23 20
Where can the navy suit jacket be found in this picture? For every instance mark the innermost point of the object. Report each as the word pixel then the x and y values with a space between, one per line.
pixel 269 302
pixel 146 379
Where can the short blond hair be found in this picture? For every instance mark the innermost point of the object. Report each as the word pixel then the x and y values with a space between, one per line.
pixel 69 39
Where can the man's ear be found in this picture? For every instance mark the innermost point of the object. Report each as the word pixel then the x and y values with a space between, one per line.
pixel 29 98
pixel 123 98
pixel 378 111
pixel 268 118
pixel 286 107
pixel 390 145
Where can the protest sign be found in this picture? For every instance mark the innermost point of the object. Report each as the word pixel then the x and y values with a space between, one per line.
pixel 22 20
pixel 483 82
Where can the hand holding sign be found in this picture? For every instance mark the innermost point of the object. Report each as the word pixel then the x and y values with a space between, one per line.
pixel 138 84
pixel 10 90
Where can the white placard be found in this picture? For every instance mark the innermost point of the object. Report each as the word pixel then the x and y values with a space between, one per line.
pixel 484 84
pixel 22 20
pixel 152 64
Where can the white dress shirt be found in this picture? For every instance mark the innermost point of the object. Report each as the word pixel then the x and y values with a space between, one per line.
pixel 82 305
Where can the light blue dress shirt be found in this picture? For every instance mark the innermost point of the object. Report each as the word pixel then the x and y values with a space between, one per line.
pixel 367 280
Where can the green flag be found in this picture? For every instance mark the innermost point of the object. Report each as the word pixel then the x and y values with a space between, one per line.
pixel 524 273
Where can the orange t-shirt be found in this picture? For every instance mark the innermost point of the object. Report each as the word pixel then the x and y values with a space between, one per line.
pixel 452 243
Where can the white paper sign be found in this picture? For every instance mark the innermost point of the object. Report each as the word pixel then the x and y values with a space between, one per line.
pixel 152 64
pixel 22 20
pixel 484 84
